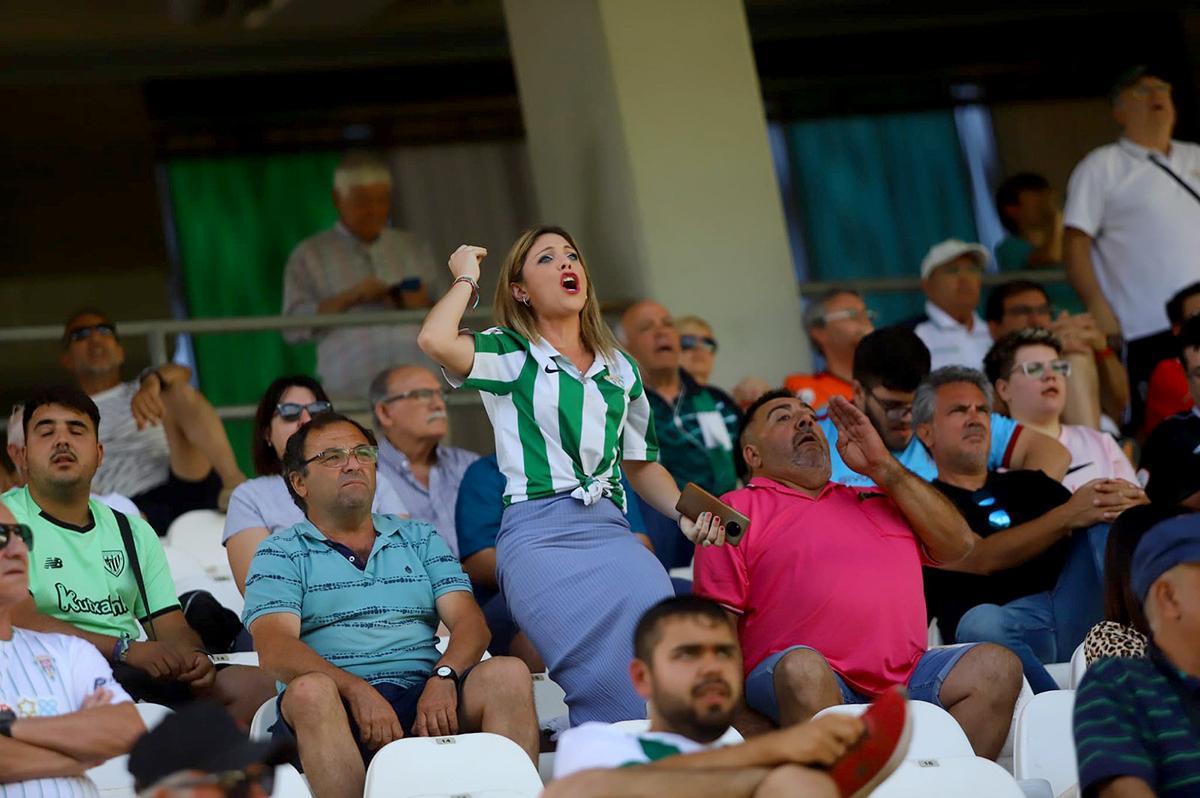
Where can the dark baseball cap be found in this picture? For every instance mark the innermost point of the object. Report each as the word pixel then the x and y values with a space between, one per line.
pixel 200 736
pixel 1131 76
pixel 1169 543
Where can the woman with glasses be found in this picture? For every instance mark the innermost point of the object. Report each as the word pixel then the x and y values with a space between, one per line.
pixel 262 506
pixel 570 414
pixel 698 347
pixel 1029 373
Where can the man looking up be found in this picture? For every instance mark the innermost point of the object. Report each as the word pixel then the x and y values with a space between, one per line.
pixel 835 323
pixel 952 277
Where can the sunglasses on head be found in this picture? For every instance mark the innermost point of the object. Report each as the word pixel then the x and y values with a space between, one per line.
pixel 8 531
pixel 290 411
pixel 688 341
pixel 83 333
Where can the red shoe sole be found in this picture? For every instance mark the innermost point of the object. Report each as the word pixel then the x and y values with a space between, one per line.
pixel 881 749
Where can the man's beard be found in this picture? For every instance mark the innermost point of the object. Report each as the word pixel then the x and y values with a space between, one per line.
pixel 682 718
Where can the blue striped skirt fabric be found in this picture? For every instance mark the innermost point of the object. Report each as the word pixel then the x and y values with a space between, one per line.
pixel 577 581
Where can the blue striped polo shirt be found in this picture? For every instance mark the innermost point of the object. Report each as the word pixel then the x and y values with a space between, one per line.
pixel 1130 721
pixel 378 623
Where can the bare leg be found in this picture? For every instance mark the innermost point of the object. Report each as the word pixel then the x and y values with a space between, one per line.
pixel 242 690
pixel 334 767
pixel 197 438
pixel 981 692
pixel 804 685
pixel 662 783
pixel 522 648
pixel 788 781
pixel 750 723
pixel 498 698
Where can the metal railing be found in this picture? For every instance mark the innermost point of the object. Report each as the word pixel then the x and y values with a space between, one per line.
pixel 156 331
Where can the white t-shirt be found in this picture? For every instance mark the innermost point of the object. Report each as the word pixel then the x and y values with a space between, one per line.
pixel 44 674
pixel 951 343
pixel 1145 227
pixel 592 746
pixel 135 461
pixel 1094 455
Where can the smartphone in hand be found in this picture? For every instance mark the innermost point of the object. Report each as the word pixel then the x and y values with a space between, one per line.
pixel 694 500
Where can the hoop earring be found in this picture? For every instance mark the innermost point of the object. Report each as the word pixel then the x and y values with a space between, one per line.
pixel 525 302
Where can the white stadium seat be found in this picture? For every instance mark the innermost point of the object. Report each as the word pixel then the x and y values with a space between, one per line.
pixel 731 736
pixel 290 784
pixel 198 533
pixel 477 765
pixel 112 778
pixel 1078 667
pixel 1045 743
pixel 936 734
pixel 549 701
pixel 264 719
pixel 953 776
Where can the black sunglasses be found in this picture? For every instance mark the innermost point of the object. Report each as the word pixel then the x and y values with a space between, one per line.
pixel 688 341
pixel 290 411
pixel 84 333
pixel 20 530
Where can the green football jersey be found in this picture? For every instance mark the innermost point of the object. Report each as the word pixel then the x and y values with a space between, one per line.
pixel 82 575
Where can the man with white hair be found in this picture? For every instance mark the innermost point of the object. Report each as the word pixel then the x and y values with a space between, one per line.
pixel 1137 720
pixel 360 265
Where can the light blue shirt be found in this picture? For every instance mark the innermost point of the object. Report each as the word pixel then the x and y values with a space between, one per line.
pixel 436 502
pixel 915 456
pixel 378 623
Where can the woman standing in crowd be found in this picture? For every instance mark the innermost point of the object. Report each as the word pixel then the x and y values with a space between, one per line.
pixel 569 412
pixel 262 506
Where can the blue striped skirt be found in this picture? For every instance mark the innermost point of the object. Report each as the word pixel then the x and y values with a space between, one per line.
pixel 577 582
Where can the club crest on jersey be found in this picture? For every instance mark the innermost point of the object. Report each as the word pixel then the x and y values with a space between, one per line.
pixel 615 379
pixel 114 561
pixel 46 663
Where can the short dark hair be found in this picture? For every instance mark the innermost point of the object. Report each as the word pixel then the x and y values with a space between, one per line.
pixel 739 461
pixel 994 309
pixel 266 461
pixel 1175 303
pixel 1189 338
pixel 1120 602
pixel 1009 193
pixel 85 311
pixel 65 395
pixel 647 634
pixel 893 358
pixel 293 453
pixel 999 361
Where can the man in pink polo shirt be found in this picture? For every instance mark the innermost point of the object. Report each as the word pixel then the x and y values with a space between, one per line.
pixel 827 584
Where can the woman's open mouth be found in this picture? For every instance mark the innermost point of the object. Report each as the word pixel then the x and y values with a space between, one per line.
pixel 569 282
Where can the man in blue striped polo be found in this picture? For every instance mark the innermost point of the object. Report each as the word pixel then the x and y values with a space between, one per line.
pixel 343 607
pixel 1137 721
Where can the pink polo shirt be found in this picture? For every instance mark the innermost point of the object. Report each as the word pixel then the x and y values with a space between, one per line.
pixel 840 573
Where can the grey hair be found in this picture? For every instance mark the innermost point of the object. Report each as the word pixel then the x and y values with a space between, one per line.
pixel 926 396
pixel 814 311
pixel 378 391
pixel 359 168
pixel 16 429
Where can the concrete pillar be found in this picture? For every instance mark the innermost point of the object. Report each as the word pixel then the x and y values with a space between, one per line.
pixel 648 140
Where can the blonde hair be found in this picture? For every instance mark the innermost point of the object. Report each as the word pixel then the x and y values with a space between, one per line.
pixel 520 317
pixel 692 321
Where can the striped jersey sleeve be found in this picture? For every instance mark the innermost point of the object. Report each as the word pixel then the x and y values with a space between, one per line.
pixel 1108 741
pixel 638 440
pixel 500 357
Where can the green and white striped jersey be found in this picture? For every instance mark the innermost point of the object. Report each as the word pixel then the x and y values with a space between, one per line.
pixel 592 746
pixel 558 430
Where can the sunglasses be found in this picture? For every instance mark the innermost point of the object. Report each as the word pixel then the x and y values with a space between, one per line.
pixel 424 394
pixel 336 458
pixel 290 411
pixel 8 531
pixel 84 333
pixel 689 341
pixel 850 313
pixel 1036 370
pixel 997 518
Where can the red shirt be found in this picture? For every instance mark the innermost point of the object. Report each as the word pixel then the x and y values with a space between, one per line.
pixel 840 573
pixel 816 389
pixel 1167 395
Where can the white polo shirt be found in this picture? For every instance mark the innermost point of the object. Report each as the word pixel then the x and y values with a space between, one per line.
pixel 951 343
pixel 1145 227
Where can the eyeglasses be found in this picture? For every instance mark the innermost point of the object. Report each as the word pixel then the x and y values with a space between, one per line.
pixel 336 458
pixel 424 394
pixel 973 268
pixel 290 411
pixel 1037 369
pixel 8 531
pixel 855 314
pixel 1030 310
pixel 83 333
pixel 894 409
pixel 688 342
pixel 234 783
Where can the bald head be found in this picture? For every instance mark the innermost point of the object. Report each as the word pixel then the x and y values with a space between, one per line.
pixel 649 333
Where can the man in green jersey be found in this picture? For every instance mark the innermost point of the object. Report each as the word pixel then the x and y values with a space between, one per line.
pixel 84 576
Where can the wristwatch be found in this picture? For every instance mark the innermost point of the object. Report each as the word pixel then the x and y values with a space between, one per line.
pixel 446 672
pixel 121 648
pixel 7 718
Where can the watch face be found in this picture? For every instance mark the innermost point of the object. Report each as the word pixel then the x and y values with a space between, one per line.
pixel 445 671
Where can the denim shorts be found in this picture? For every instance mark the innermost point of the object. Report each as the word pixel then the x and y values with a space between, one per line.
pixel 925 683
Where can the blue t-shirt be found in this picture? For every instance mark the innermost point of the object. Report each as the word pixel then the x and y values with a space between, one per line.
pixel 378 623
pixel 916 457
pixel 480 507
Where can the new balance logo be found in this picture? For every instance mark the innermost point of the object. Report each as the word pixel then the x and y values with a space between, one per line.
pixel 53 562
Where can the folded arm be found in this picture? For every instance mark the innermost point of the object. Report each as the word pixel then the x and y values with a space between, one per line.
pixel 87 736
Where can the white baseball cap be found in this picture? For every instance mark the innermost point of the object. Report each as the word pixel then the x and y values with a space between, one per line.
pixel 950 249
